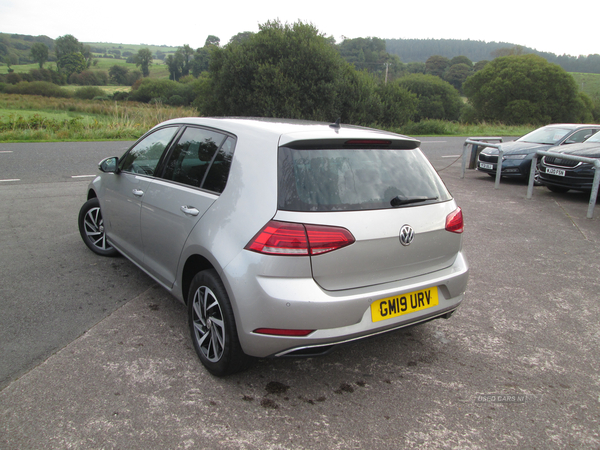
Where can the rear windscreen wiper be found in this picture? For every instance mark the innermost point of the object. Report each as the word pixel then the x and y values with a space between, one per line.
pixel 401 200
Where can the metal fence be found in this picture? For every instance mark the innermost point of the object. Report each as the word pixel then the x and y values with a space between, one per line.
pixel 477 142
pixel 595 162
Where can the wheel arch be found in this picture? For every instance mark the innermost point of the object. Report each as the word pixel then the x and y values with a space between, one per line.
pixel 91 194
pixel 193 265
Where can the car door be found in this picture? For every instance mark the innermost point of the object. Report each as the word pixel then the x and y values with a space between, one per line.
pixel 175 203
pixel 122 193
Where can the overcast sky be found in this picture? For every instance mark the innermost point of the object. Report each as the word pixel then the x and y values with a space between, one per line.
pixel 561 28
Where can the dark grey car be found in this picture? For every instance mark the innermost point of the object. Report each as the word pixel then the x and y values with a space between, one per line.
pixel 519 154
pixel 561 174
pixel 282 237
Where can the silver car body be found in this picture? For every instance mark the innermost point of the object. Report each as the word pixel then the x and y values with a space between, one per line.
pixel 171 231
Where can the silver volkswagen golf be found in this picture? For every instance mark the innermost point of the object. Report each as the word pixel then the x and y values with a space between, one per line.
pixel 283 238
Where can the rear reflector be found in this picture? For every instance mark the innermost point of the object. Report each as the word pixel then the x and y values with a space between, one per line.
pixel 296 239
pixel 280 332
pixel 454 221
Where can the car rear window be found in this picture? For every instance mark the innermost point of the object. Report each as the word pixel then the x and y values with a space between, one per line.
pixel 356 179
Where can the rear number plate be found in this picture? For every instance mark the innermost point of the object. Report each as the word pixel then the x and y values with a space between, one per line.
pixel 559 172
pixel 388 308
pixel 486 166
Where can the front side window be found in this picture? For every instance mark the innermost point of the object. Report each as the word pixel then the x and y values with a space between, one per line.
pixel 145 155
pixel 356 179
pixel 580 136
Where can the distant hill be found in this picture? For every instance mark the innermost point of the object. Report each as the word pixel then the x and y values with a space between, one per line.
pixel 419 50
pixel 409 50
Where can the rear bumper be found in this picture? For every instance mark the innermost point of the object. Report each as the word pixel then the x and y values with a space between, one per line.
pixel 336 316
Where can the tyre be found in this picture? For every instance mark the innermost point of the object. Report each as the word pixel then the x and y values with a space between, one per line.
pixel 91 228
pixel 212 326
pixel 558 189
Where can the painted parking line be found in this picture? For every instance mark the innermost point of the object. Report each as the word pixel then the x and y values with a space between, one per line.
pixel 451 156
pixel 11 179
pixel 83 176
pixel 5 151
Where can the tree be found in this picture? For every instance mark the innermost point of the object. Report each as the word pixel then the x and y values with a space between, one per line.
pixel 522 89
pixel 118 74
pixel 39 53
pixel 66 44
pixel 281 71
pixel 187 54
pixel 508 51
pixel 212 40
pixel 175 63
pixel 461 60
pixel 143 59
pixel 415 67
pixel 72 63
pixel 437 99
pixel 201 61
pixel 71 55
pixel 240 37
pixel 479 65
pixel 436 65
pixel 11 60
pixel 457 74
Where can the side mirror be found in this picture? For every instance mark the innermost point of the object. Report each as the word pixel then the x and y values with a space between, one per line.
pixel 109 165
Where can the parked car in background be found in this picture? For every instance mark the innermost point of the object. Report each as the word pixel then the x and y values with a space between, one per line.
pixel 560 174
pixel 282 237
pixel 519 154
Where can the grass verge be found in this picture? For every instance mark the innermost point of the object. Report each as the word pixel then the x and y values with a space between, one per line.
pixel 29 118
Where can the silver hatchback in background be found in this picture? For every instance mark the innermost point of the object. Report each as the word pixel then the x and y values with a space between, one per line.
pixel 282 237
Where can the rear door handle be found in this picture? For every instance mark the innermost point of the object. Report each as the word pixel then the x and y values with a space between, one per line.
pixel 190 210
pixel 138 192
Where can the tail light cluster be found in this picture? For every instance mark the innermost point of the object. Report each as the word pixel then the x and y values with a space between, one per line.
pixel 454 221
pixel 296 239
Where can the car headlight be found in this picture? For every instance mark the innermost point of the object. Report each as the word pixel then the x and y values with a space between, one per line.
pixel 514 157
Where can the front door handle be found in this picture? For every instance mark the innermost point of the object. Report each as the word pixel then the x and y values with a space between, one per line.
pixel 138 192
pixel 190 210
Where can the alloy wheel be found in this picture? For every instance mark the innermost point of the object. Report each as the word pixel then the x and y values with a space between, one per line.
pixel 208 323
pixel 94 229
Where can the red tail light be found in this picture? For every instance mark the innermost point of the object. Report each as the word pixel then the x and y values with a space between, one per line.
pixel 296 239
pixel 454 221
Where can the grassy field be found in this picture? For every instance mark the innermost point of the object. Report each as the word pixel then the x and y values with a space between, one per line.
pixel 30 118
pixel 158 69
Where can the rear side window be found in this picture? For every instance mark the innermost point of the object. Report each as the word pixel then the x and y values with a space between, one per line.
pixel 356 179
pixel 201 158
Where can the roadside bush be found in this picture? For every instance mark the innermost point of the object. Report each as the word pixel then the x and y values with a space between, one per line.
pixel 398 105
pixel 89 93
pixel 176 100
pixel 13 78
pixel 162 91
pixel 89 78
pixel 2 86
pixel 120 95
pixel 428 127
pixel 48 75
pixel 42 88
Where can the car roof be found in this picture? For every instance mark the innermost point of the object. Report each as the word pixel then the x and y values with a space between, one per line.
pixel 290 130
pixel 572 125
